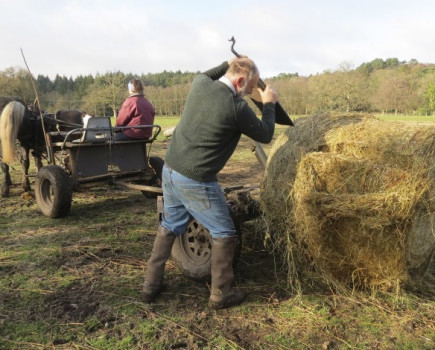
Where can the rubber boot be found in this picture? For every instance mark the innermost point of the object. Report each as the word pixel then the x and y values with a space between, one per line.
pixel 223 294
pixel 156 264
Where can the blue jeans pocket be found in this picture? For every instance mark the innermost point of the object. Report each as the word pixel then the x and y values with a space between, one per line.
pixel 195 198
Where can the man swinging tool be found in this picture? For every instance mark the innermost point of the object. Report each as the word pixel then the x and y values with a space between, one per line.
pixel 213 120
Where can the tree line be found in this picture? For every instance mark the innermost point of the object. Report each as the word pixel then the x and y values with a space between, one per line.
pixel 379 86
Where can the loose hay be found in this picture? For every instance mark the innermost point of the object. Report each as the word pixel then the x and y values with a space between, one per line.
pixel 350 200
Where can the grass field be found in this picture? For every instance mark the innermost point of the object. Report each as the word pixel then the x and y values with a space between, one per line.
pixel 168 122
pixel 74 283
pixel 405 118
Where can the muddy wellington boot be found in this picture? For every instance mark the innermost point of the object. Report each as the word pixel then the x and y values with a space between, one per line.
pixel 223 294
pixel 156 264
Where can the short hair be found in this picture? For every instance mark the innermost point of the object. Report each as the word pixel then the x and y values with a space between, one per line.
pixel 243 66
pixel 137 85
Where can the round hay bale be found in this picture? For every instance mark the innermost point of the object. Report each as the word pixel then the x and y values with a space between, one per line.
pixel 350 199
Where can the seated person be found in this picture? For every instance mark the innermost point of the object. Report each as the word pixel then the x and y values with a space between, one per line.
pixel 136 110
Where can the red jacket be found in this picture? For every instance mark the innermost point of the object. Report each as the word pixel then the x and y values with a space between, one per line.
pixel 136 110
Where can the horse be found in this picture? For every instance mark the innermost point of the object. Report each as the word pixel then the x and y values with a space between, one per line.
pixel 65 119
pixel 69 119
pixel 21 123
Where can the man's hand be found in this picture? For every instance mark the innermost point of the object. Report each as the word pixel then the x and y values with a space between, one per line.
pixel 268 95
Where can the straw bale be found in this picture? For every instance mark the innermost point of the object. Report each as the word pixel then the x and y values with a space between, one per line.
pixel 350 200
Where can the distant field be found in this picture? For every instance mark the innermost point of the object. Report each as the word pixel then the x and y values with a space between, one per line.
pixel 167 122
pixel 407 118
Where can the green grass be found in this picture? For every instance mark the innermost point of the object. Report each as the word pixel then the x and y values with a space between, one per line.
pixel 406 118
pixel 168 122
pixel 74 283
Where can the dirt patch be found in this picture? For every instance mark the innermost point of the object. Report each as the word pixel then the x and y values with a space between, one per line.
pixel 73 303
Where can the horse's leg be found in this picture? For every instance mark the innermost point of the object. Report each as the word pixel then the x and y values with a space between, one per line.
pixel 6 181
pixel 38 161
pixel 24 159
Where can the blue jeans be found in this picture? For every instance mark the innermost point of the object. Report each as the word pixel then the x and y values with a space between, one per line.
pixel 185 198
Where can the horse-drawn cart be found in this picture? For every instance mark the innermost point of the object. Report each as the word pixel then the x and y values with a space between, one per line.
pixel 86 156
pixel 90 155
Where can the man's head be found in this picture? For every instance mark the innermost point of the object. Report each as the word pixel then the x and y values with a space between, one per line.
pixel 244 75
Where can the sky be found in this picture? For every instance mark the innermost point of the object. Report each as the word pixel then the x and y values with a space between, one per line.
pixel 81 37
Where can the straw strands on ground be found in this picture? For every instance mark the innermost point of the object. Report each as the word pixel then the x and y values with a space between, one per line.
pixel 350 200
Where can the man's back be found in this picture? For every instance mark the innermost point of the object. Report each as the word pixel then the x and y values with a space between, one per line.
pixel 207 133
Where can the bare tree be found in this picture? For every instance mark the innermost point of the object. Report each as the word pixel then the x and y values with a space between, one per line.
pixel 107 93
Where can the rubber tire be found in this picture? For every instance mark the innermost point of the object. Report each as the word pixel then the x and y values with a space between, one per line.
pixel 157 165
pixel 191 251
pixel 53 191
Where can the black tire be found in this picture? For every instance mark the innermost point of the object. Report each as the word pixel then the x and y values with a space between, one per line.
pixel 191 251
pixel 53 191
pixel 157 165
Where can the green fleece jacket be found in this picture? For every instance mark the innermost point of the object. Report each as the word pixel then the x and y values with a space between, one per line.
pixel 211 125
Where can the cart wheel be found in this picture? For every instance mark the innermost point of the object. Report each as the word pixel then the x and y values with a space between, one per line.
pixel 191 251
pixel 157 165
pixel 53 191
